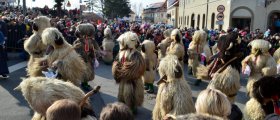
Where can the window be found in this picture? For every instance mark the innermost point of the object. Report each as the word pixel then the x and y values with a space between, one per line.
pixel 213 21
pixel 185 20
pixel 198 21
pixel 188 21
pixel 192 21
pixel 203 21
pixel 179 20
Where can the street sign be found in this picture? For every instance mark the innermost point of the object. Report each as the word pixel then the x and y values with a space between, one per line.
pixel 221 8
pixel 220 16
pixel 220 22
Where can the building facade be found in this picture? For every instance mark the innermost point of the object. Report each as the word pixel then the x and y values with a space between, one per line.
pixel 155 13
pixel 221 14
pixel 172 12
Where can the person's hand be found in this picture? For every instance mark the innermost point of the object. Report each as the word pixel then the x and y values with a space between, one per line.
pixel 169 117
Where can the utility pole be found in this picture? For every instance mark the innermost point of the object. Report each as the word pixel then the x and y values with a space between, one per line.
pixel 24 6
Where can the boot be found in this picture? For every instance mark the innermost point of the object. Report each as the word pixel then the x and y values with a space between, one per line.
pixel 151 88
pixel 197 82
pixel 189 70
pixel 146 86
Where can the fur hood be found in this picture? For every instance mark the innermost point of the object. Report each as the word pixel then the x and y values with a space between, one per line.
pixel 261 45
pixel 42 22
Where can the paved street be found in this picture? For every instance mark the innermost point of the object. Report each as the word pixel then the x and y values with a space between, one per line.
pixel 14 107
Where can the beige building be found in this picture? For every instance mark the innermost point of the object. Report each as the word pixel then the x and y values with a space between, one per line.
pixel 172 12
pixel 155 13
pixel 254 14
pixel 132 16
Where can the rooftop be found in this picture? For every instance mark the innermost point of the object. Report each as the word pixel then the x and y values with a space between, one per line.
pixel 155 5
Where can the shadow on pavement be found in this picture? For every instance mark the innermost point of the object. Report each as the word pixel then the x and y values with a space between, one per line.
pixel 12 82
pixel 104 71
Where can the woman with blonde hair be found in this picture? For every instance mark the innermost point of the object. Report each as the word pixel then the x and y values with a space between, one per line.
pixel 214 103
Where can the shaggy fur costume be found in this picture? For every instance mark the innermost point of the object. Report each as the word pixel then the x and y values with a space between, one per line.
pixel 41 92
pixel 33 45
pixel 128 69
pixel 195 49
pixel 276 57
pixel 108 45
pixel 148 53
pixel 162 46
pixel 169 100
pixel 227 82
pixel 253 110
pixel 224 70
pixel 86 46
pixel 207 52
pixel 73 67
pixel 263 103
pixel 260 62
pixel 176 47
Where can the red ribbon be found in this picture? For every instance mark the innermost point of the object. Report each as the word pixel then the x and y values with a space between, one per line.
pixel 86 45
pixel 123 58
pixel 275 104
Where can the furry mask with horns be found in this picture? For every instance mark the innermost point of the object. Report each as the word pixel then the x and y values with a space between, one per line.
pixel 128 40
pixel 52 38
pixel 40 23
pixel 176 36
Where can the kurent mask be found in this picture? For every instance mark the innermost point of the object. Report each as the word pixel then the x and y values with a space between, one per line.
pixel 35 27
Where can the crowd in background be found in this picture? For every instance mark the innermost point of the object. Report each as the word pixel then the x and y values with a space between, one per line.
pixel 16 27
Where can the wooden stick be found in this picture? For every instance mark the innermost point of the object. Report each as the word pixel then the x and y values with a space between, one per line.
pixel 162 80
pixel 92 92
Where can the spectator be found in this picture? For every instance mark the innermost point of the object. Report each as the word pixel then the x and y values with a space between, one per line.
pixel 116 111
pixel 64 110
pixel 3 58
pixel 267 33
pixel 213 102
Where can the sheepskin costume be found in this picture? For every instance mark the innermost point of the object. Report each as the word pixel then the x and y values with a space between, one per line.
pixel 148 53
pixel 276 57
pixel 260 62
pixel 73 67
pixel 162 46
pixel 176 47
pixel 34 45
pixel 86 46
pixel 224 70
pixel 169 100
pixel 41 92
pixel 207 53
pixel 195 49
pixel 253 110
pixel 128 68
pixel 108 45
pixel 265 99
